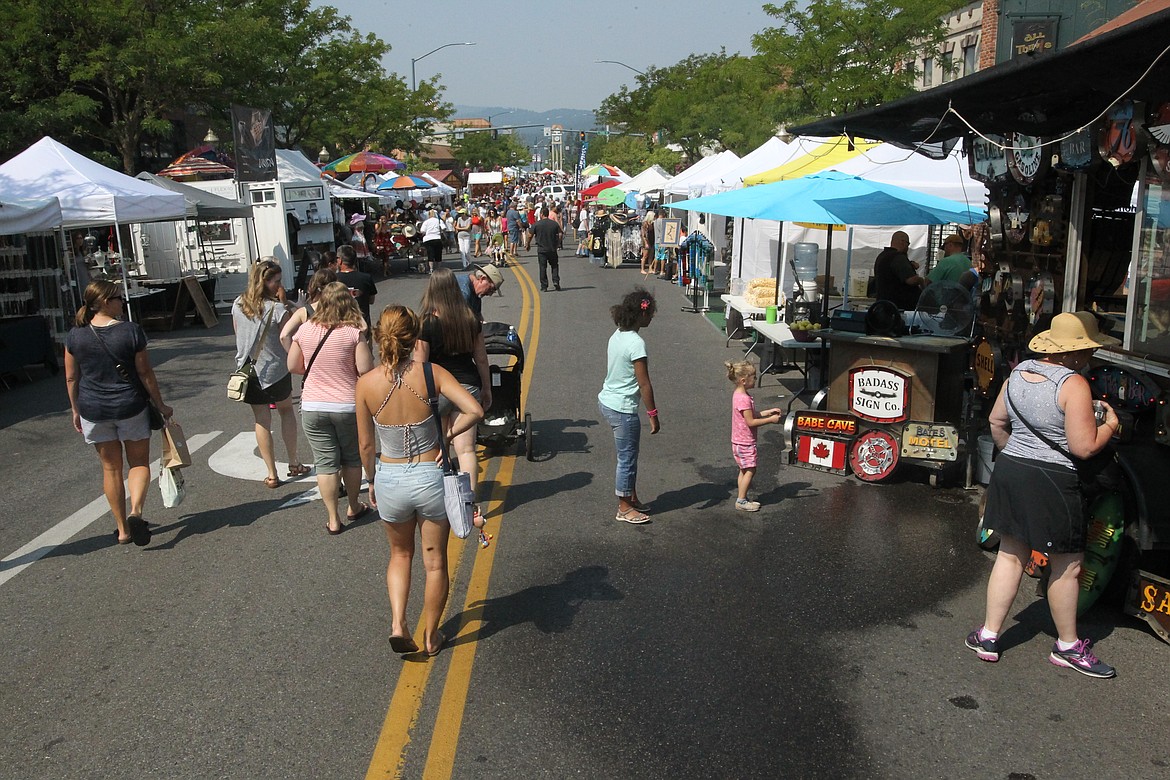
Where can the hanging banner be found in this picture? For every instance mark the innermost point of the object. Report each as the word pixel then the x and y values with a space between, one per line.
pixel 581 159
pixel 255 143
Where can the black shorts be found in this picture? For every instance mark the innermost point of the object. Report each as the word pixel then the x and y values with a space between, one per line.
pixel 1037 502
pixel 273 394
pixel 434 250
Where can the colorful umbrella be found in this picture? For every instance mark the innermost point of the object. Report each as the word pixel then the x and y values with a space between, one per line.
pixel 364 162
pixel 405 183
pixel 195 167
pixel 207 152
pixel 595 190
pixel 611 196
pixel 600 169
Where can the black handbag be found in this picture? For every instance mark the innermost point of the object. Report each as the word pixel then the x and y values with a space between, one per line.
pixel 157 421
pixel 1098 474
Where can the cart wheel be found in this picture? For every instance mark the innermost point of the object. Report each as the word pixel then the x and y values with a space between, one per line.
pixel 528 435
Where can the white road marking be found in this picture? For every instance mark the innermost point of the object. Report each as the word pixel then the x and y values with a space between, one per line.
pixel 239 459
pixel 65 530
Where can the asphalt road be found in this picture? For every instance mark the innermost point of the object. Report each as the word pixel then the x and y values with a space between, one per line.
pixel 821 637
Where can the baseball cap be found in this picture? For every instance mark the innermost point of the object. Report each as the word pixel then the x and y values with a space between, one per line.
pixel 493 274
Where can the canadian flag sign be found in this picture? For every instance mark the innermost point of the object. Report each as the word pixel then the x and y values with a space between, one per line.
pixel 821 452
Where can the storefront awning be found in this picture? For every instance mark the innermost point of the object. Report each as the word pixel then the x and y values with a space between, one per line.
pixel 1045 96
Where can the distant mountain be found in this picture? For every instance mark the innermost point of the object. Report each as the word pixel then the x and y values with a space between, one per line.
pixel 571 119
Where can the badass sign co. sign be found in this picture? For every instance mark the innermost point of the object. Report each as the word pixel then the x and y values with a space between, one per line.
pixel 879 394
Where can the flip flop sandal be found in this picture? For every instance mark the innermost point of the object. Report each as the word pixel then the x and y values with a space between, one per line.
pixel 633 517
pixel 139 533
pixel 272 482
pixel 442 644
pixel 402 645
pixel 298 470
pixel 362 512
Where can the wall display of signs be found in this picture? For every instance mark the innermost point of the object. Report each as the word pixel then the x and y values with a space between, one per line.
pixel 1026 157
pixel 1048 225
pixel 874 455
pixel 823 453
pixel 988 159
pixel 985 362
pixel 1076 151
pixel 1016 218
pixel 1041 297
pixel 879 394
pixel 1118 139
pixel 930 441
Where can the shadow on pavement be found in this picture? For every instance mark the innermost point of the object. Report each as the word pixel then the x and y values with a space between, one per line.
pixel 553 437
pixel 211 521
pixel 519 495
pixel 550 608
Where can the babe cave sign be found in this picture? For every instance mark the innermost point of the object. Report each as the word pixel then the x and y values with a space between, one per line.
pixel 879 394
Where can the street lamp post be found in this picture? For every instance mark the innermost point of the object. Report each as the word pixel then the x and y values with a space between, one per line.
pixel 413 60
pixel 624 65
pixel 500 113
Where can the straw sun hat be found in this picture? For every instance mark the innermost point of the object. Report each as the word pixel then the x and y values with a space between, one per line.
pixel 1071 333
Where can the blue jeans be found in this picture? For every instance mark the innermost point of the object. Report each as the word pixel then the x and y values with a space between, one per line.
pixel 627 429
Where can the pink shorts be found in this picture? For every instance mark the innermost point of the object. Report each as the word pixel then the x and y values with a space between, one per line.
pixel 745 455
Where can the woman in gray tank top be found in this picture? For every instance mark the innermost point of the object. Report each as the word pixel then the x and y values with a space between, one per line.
pixel 1034 500
pixel 393 406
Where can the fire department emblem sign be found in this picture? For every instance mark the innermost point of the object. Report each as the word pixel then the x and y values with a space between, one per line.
pixel 879 394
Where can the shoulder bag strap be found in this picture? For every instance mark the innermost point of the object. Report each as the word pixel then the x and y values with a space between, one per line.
pixel 320 344
pixel 124 372
pixel 1030 427
pixel 433 402
pixel 259 345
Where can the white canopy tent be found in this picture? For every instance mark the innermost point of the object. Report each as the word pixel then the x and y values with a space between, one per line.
pixel 653 179
pixel 89 193
pixel 29 216
pixel 485 177
pixel 770 154
pixel 697 173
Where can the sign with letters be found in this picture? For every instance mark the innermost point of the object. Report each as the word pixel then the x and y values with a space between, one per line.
pixel 930 441
pixel 255 143
pixel 1033 37
pixel 879 394
pixel 825 423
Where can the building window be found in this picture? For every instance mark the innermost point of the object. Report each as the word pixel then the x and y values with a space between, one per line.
pixel 948 67
pixel 927 71
pixel 970 59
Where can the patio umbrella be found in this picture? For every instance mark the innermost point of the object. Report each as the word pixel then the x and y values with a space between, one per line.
pixel 195 166
pixel 405 183
pixel 592 192
pixel 364 162
pixel 611 196
pixel 833 198
pixel 601 169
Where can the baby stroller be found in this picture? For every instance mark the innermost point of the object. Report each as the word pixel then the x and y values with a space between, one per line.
pixel 500 425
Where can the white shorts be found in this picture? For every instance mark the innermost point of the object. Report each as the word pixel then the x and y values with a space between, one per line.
pixel 134 428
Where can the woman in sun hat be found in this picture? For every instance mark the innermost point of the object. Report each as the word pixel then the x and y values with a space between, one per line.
pixel 1034 500
pixel 361 247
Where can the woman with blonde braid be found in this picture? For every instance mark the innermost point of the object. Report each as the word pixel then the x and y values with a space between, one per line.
pixel 394 418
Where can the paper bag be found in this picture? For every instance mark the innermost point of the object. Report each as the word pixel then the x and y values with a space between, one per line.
pixel 174 450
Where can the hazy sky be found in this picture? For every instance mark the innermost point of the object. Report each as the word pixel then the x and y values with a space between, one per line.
pixel 540 56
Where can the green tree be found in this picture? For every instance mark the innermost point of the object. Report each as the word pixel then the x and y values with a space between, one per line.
pixel 706 101
pixel 835 56
pixel 481 150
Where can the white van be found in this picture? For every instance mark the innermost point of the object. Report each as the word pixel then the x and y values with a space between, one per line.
pixel 558 192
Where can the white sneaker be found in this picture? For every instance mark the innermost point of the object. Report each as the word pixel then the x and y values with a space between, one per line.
pixel 743 505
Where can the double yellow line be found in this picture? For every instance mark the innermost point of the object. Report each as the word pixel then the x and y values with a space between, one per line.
pixel 402 716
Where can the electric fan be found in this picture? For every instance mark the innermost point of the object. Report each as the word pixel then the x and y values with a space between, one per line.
pixel 945 309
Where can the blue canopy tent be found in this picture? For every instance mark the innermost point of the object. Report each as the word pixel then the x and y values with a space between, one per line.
pixel 833 198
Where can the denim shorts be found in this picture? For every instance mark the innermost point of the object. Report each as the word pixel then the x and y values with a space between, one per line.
pixel 409 490
pixel 334 439
pixel 134 428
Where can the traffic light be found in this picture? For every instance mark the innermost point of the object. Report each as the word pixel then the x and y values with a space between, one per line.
pixel 581 136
